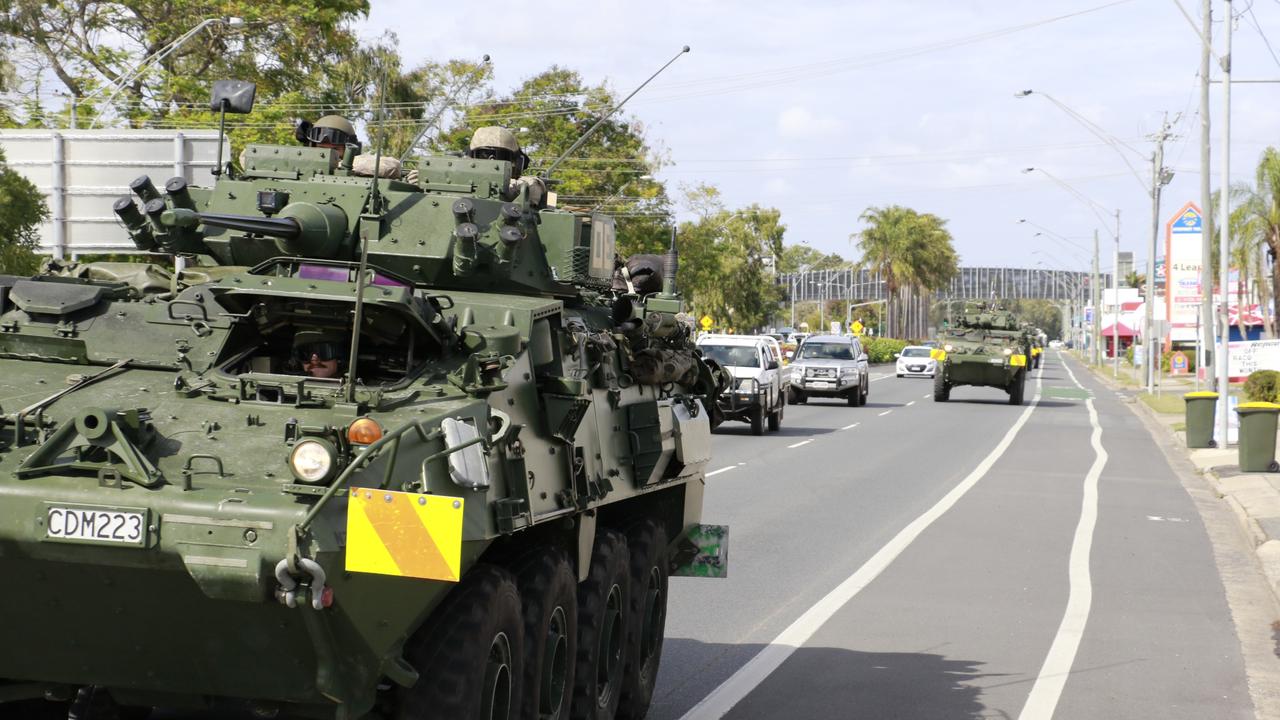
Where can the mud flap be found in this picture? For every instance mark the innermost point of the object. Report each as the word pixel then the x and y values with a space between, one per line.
pixel 702 551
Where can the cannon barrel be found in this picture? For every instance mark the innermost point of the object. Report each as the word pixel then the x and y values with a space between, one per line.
pixel 283 228
pixel 302 228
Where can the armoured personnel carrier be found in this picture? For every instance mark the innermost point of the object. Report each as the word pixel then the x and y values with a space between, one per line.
pixel 986 346
pixel 390 449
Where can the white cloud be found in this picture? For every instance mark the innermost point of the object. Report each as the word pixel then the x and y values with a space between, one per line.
pixel 800 123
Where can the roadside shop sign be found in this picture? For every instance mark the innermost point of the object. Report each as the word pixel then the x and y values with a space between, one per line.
pixel 1183 233
pixel 1251 355
pixel 1178 364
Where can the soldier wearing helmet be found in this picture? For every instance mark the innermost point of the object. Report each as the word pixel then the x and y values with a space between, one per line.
pixel 337 133
pixel 498 143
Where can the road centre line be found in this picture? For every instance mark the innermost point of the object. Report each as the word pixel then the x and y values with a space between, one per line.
pixel 1047 690
pixel 913 402
pixel 713 473
pixel 738 685
pixel 850 427
pixel 926 397
pixel 886 412
pixel 802 442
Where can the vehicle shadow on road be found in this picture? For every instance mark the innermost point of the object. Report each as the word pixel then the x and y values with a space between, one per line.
pixel 786 431
pixel 826 682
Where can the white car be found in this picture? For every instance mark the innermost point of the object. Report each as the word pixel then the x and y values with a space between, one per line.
pixel 1055 344
pixel 916 361
pixel 755 395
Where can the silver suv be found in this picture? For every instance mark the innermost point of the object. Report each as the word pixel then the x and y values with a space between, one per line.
pixel 830 366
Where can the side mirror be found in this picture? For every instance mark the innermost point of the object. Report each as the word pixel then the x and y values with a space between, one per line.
pixel 790 354
pixel 862 357
pixel 773 365
pixel 234 96
pixel 897 355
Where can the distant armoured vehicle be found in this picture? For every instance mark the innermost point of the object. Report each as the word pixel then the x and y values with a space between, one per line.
pixel 392 449
pixel 986 346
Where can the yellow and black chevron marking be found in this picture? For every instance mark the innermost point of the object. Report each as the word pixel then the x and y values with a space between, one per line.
pixel 404 534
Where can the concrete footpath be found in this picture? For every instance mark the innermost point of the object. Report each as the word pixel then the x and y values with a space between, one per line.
pixel 1254 498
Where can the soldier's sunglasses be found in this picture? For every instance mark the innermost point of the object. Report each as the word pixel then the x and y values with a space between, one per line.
pixel 325 351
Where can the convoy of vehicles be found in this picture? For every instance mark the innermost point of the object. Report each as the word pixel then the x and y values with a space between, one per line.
pixel 755 392
pixel 986 346
pixel 421 447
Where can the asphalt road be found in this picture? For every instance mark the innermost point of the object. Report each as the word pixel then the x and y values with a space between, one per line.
pixel 969 559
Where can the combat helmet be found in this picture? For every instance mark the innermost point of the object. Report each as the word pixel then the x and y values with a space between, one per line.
pixel 498 143
pixel 330 130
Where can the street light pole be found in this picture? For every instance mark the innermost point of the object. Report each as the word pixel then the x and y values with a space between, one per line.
pixel 1097 305
pixel 1206 240
pixel 1224 230
pixel 1115 290
pixel 1158 180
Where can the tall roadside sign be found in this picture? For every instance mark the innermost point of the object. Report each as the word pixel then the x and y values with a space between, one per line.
pixel 1182 294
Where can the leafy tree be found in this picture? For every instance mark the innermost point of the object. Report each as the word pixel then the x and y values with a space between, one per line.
pixel 90 45
pixel 796 258
pixel 912 252
pixel 610 173
pixel 22 209
pixel 723 272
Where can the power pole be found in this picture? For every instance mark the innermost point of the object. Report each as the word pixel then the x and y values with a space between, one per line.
pixel 1096 298
pixel 1224 229
pixel 1115 320
pixel 1206 359
pixel 1159 177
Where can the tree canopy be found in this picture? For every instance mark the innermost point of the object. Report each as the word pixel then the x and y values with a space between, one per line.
pixel 912 252
pixel 22 209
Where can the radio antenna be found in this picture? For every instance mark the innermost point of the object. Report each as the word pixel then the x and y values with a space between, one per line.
pixel 450 99
pixel 370 219
pixel 577 144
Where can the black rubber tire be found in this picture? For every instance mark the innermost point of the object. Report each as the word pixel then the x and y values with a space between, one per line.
pixel 794 397
pixel 647 543
pixel 35 710
pixel 941 391
pixel 853 397
pixel 1018 388
pixel 899 374
pixel 757 420
pixel 549 596
pixel 775 419
pixel 468 651
pixel 603 602
pixel 866 391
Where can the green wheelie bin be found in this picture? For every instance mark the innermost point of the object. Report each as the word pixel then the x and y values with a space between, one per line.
pixel 1258 436
pixel 1200 415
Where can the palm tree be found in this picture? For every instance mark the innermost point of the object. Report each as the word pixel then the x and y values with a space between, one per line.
pixel 1259 212
pixel 911 252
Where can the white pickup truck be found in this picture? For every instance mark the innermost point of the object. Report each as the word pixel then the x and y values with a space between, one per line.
pixel 756 393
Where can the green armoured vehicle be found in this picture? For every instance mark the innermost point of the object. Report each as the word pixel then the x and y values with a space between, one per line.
pixel 986 346
pixel 393 449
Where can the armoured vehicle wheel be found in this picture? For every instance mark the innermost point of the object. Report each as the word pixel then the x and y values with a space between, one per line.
pixel 1018 387
pixel 757 420
pixel 647 543
pixel 549 594
pixel 471 664
pixel 941 391
pixel 603 604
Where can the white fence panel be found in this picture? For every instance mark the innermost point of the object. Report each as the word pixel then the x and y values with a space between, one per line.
pixel 82 171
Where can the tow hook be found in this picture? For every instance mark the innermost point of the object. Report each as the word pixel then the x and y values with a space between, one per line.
pixel 288 592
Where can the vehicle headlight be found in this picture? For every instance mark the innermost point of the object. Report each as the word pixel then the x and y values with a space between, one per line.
pixel 1008 351
pixel 312 460
pixel 795 368
pixel 848 371
pixel 746 385
pixel 948 347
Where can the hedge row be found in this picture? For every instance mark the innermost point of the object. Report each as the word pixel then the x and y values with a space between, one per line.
pixel 881 350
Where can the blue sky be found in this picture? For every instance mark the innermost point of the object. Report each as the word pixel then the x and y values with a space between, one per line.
pixel 822 109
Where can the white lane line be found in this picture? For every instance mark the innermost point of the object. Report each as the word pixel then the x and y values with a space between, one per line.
pixel 875 379
pixel 802 442
pixel 913 402
pixel 850 427
pixel 1044 696
pixel 713 473
pixel 729 693
pixel 886 412
pixel 926 397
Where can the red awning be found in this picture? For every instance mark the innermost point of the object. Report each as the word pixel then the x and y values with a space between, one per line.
pixel 1118 329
